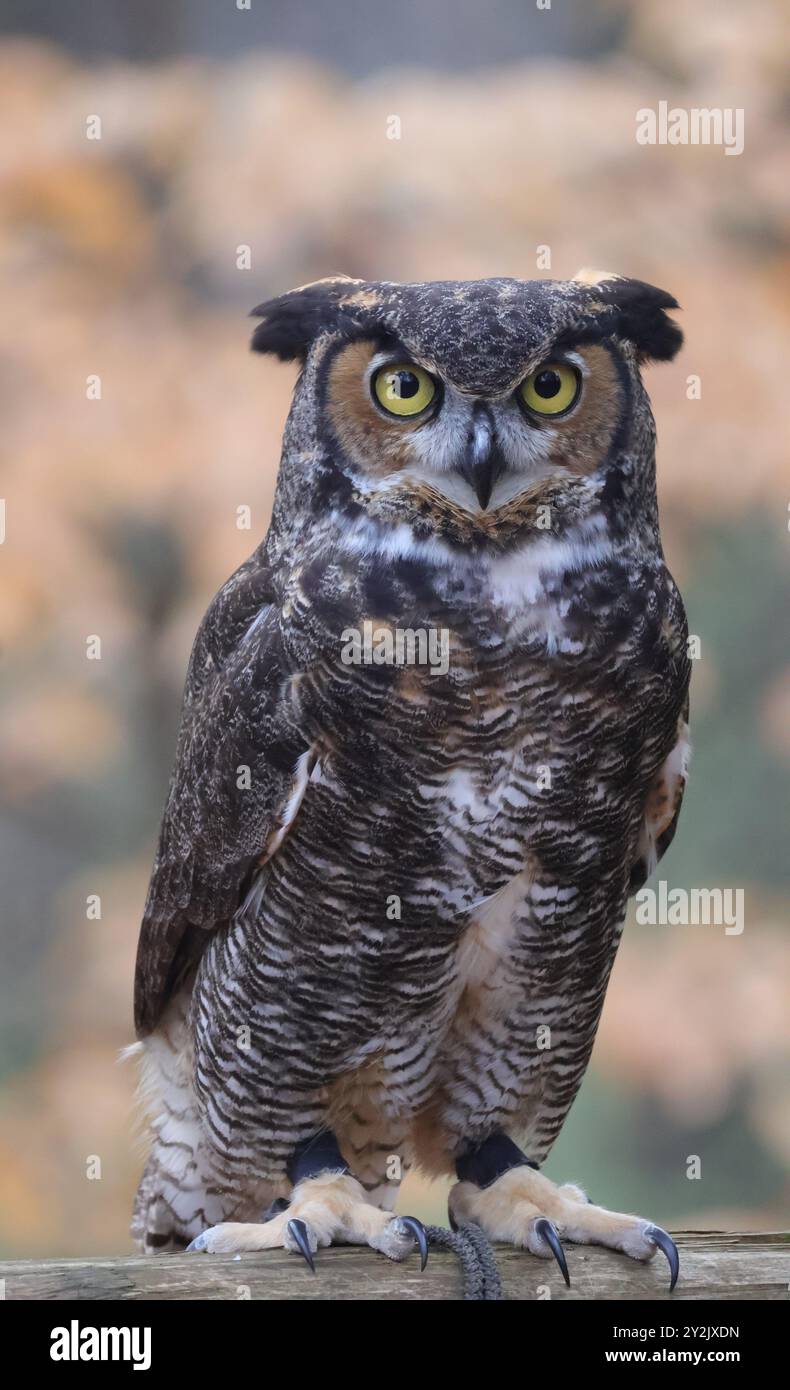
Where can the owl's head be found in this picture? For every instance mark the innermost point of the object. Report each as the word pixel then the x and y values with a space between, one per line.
pixel 465 398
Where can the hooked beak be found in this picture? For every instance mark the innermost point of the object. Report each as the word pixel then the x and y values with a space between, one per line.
pixel 482 463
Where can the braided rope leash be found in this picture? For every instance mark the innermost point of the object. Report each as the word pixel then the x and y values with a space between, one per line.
pixel 479 1271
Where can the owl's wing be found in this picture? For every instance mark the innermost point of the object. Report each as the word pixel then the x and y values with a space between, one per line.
pixel 665 793
pixel 218 817
pixel 662 807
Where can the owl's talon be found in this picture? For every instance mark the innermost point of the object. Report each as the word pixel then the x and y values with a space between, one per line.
pixel 548 1232
pixel 297 1230
pixel 418 1231
pixel 663 1240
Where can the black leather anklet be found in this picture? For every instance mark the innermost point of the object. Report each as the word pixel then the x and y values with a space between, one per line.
pixel 317 1155
pixel 486 1162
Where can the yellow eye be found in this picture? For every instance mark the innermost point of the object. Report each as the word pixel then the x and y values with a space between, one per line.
pixel 551 389
pixel 403 388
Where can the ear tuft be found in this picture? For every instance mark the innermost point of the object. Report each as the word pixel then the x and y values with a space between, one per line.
pixel 641 317
pixel 293 321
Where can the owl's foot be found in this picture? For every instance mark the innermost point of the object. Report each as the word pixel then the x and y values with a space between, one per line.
pixel 329 1208
pixel 525 1208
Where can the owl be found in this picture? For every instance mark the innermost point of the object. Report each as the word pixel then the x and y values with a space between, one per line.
pixel 434 734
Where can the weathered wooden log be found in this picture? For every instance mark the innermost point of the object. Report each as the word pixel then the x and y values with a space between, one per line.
pixel 713 1265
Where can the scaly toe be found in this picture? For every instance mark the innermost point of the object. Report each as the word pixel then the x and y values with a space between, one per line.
pixel 215 1240
pixel 398 1238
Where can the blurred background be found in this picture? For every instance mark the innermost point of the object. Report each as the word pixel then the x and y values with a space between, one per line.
pixel 123 258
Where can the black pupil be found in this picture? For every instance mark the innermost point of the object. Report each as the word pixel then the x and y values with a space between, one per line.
pixel 405 384
pixel 547 384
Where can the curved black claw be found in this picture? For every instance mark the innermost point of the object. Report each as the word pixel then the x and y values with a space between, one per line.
pixel 298 1232
pixel 418 1231
pixel 664 1241
pixel 544 1228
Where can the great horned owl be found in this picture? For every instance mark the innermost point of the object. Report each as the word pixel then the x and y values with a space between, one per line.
pixel 389 889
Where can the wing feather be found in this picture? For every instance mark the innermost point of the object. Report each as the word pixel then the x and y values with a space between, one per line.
pixel 662 807
pixel 236 714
